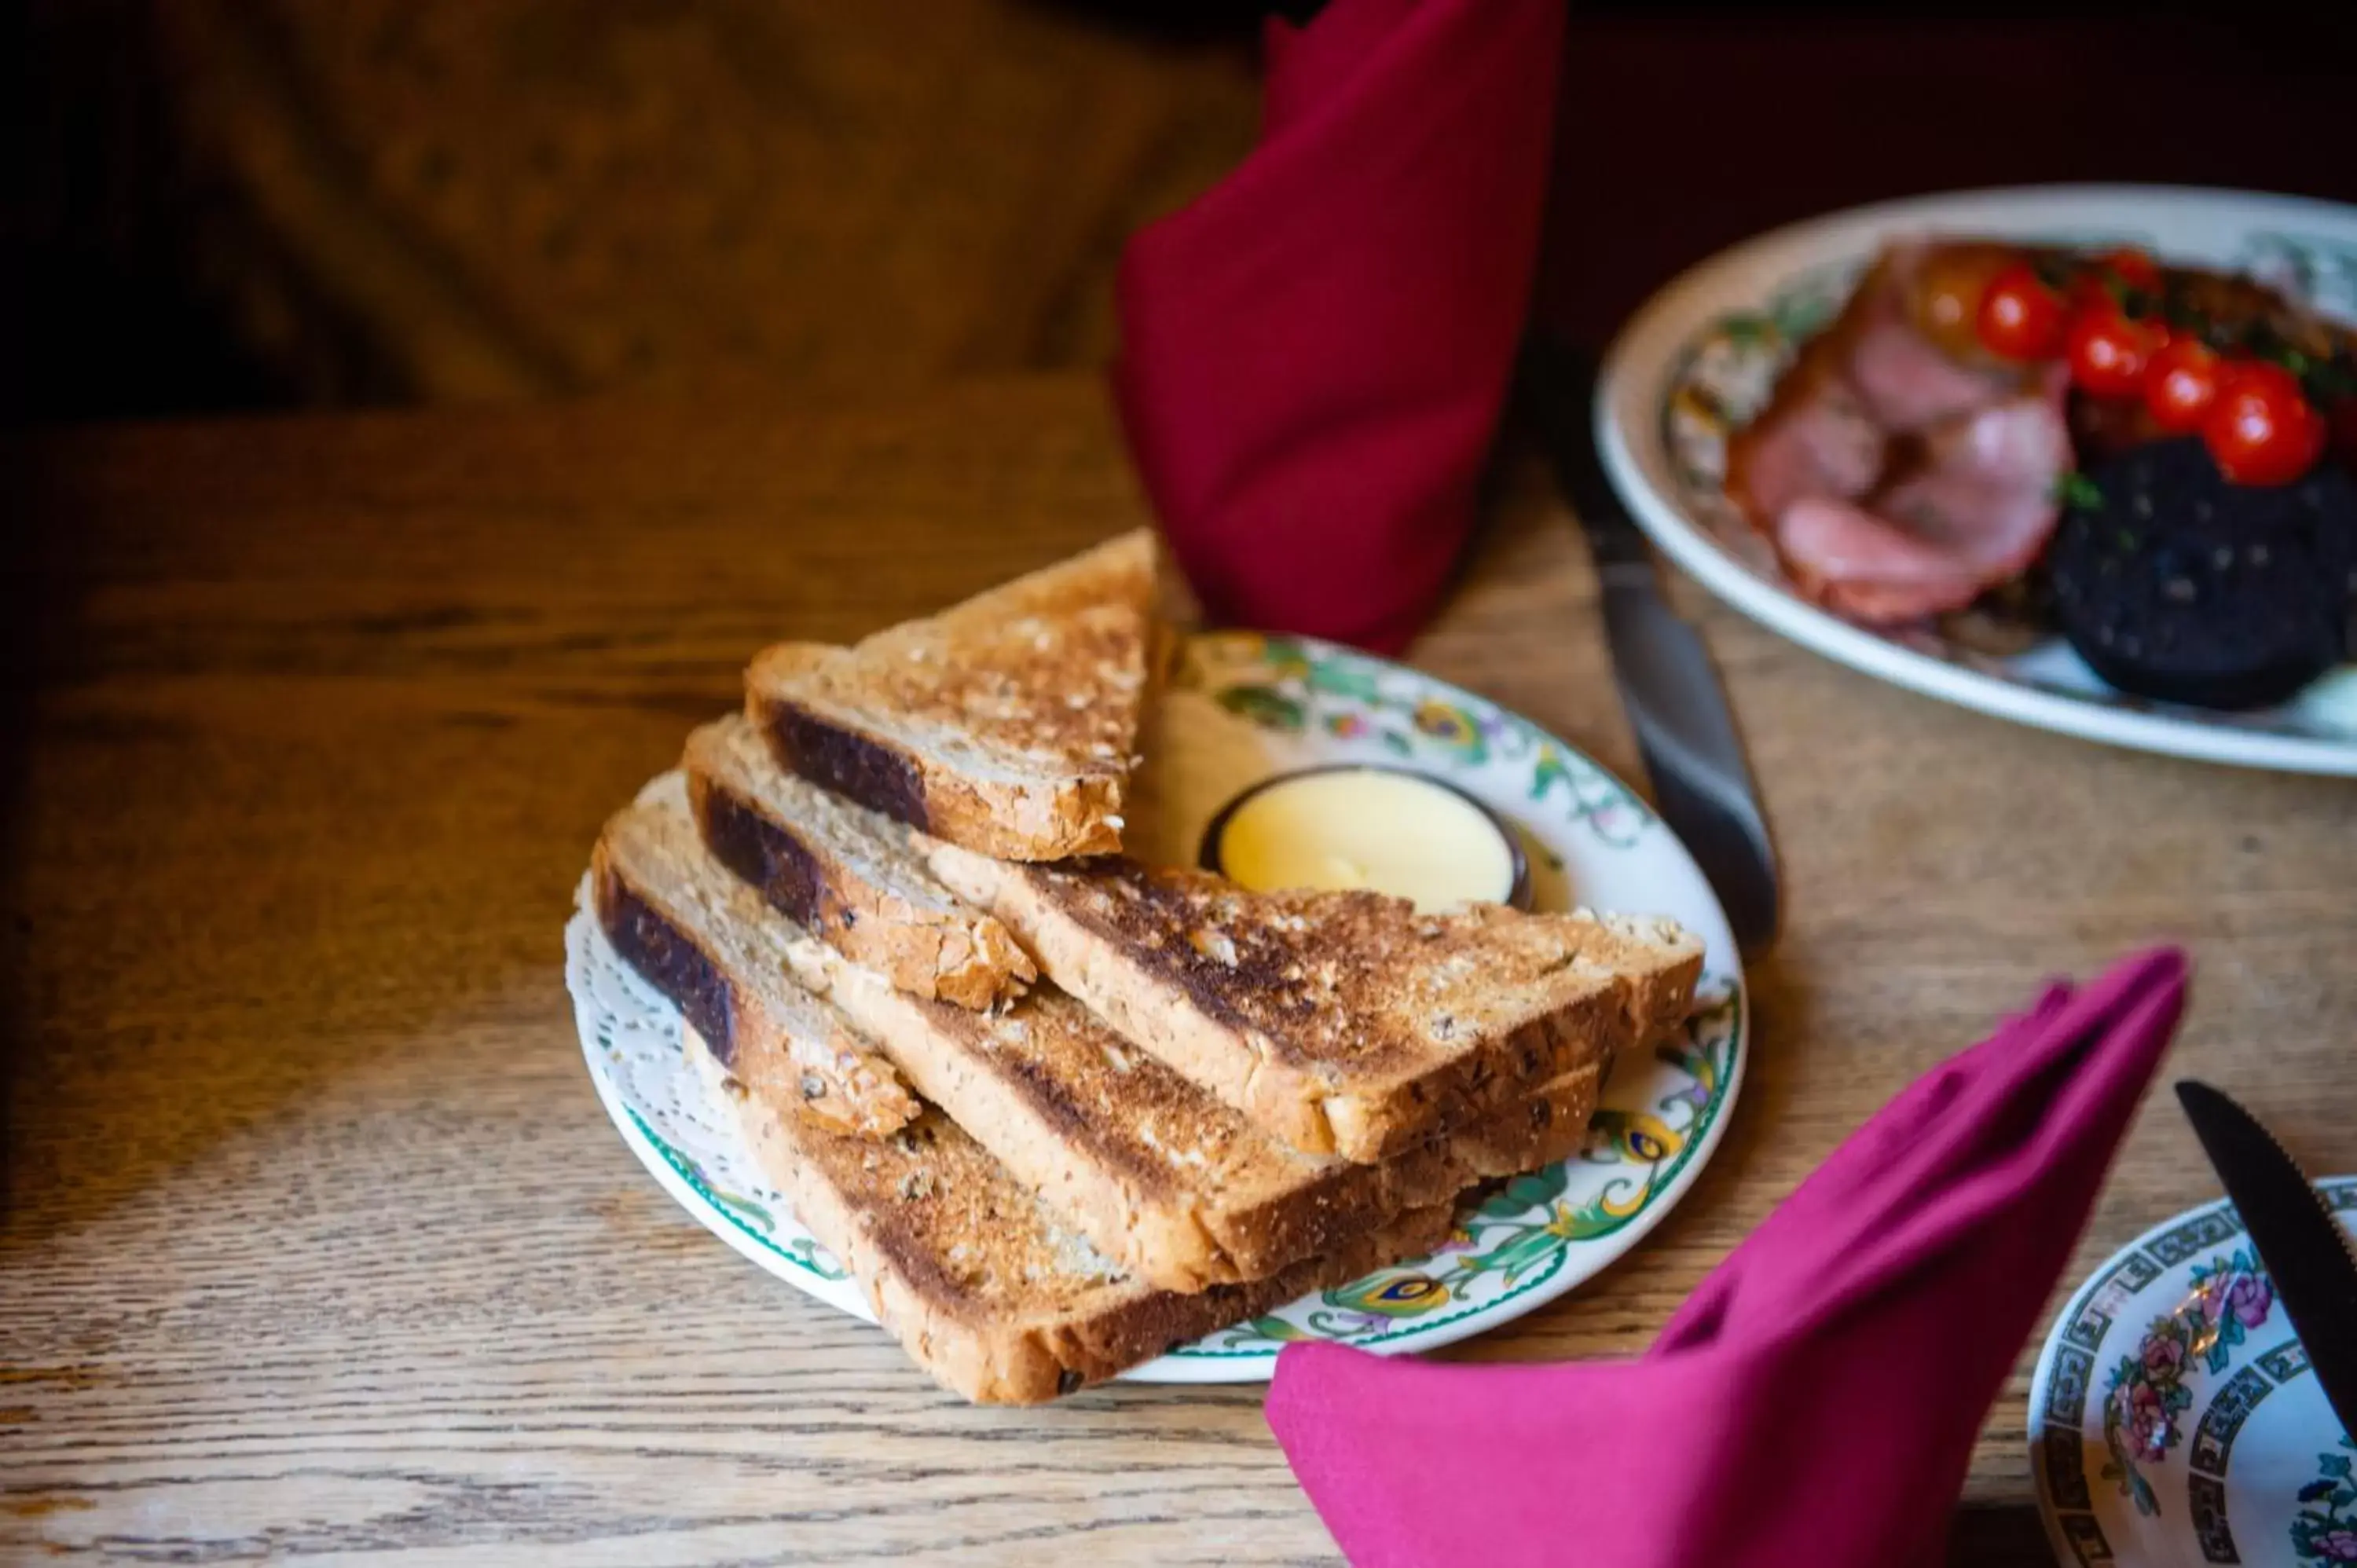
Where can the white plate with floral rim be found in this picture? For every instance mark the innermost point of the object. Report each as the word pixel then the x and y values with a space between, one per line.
pixel 2173 1418
pixel 1699 359
pixel 1241 707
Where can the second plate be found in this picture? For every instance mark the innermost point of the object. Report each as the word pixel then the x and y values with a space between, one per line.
pixel 1705 352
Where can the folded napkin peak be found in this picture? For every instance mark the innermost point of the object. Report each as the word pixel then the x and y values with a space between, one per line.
pixel 1845 1354
pixel 1316 352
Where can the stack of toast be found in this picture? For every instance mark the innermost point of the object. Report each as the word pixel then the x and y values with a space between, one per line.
pixel 1056 1110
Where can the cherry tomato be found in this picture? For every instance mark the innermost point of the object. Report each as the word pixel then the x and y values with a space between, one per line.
pixel 2180 384
pixel 2262 430
pixel 2107 352
pixel 1946 302
pixel 2132 267
pixel 2099 279
pixel 2020 317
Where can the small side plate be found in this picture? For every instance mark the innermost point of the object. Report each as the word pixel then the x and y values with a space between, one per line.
pixel 2173 1418
pixel 1243 707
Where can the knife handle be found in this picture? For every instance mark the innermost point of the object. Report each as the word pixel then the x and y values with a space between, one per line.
pixel 1557 388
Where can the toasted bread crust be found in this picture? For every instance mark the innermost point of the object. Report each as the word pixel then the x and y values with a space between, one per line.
pixel 1551 1125
pixel 1160 1175
pixel 931 948
pixel 989 1330
pixel 1342 1023
pixel 839 757
pixel 823 1074
pixel 1007 819
pixel 1007 723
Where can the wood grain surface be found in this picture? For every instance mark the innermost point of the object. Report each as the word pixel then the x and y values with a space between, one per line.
pixel 318 1246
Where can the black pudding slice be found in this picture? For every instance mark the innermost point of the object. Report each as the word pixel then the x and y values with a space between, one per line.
pixel 2182 586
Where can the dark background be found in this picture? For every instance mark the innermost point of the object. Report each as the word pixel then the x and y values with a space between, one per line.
pixel 227 204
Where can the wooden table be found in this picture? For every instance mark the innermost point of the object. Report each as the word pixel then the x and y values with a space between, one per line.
pixel 316 1243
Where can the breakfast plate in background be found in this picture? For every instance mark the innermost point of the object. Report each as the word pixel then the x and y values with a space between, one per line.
pixel 2173 1418
pixel 1704 355
pixel 1241 708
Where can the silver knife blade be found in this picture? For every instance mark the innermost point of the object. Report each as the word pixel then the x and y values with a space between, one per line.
pixel 2305 1250
pixel 1676 706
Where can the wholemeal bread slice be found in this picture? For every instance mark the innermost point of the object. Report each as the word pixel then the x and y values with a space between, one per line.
pixel 1167 1181
pixel 1344 1023
pixel 984 1287
pixel 847 874
pixel 668 907
pixel 1007 723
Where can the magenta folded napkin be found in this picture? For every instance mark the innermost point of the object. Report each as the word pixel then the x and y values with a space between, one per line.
pixel 1313 354
pixel 1815 1402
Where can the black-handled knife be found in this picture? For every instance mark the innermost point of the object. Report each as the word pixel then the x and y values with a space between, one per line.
pixel 2304 1247
pixel 1674 701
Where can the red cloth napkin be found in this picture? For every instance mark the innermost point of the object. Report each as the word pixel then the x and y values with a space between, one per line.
pixel 1815 1402
pixel 1315 353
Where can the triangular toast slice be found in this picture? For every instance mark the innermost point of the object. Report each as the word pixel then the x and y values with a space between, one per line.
pixel 849 875
pixel 985 1286
pixel 988 1286
pixel 1167 1181
pixel 662 910
pixel 1343 1022
pixel 1007 723
pixel 1174 1185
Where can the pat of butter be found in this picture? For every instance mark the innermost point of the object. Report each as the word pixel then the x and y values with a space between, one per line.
pixel 1366 827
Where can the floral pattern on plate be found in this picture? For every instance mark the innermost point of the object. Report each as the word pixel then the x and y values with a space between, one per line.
pixel 2208 1440
pixel 2325 1528
pixel 1243 705
pixel 2147 1391
pixel 1290 685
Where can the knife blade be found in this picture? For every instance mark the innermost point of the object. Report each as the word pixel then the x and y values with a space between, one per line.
pixel 1676 706
pixel 2305 1250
